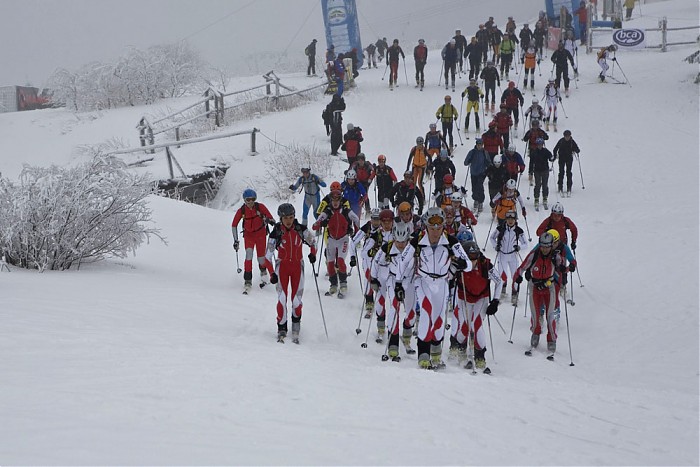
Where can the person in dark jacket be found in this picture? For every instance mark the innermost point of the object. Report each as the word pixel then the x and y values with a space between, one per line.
pixel 482 38
pixel 407 191
pixel 442 165
pixel 559 58
pixel 392 57
pixel 333 118
pixel 564 151
pixel 473 52
pixel 491 78
pixel 382 45
pixel 449 59
pixel 385 182
pixel 461 43
pixel 540 157
pixel 478 161
pixel 310 52
pixel 420 56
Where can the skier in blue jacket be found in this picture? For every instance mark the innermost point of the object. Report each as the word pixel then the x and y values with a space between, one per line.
pixel 478 160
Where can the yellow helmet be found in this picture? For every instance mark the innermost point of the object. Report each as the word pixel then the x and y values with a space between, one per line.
pixel 554 233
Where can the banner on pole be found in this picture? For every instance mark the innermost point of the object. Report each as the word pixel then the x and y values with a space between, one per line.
pixel 342 28
pixel 629 39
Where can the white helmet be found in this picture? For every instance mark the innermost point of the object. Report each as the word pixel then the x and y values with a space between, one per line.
pixel 401 231
pixel 351 175
pixel 456 196
pixel 497 160
pixel 510 184
pixel 535 101
pixel 374 213
pixel 511 148
pixel 351 126
pixel 558 208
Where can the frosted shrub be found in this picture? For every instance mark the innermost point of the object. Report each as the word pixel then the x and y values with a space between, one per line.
pixel 55 218
pixel 283 168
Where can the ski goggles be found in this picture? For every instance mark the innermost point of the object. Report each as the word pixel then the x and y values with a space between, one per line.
pixel 511 215
pixel 435 222
pixel 249 200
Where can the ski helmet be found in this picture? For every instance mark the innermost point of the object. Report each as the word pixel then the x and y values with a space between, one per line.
pixel 535 101
pixel 249 193
pixel 386 214
pixel 558 208
pixel 479 141
pixel 374 213
pixel 511 84
pixel 381 158
pixel 351 175
pixel 567 133
pixel 555 234
pixel 335 186
pixel 535 123
pixel 551 81
pixel 453 42
pixel 401 231
pixel 306 169
pixel 443 154
pixel 511 215
pixel 396 41
pixel 408 174
pixel 489 63
pixel 405 206
pixel 419 140
pixel 497 160
pixel 464 236
pixel 361 155
pixel 471 249
pixel 351 127
pixel 472 81
pixel 539 141
pixel 421 41
pixel 285 209
pixel 511 184
pixel 447 179
pixel 449 211
pixel 546 240
pixel 433 126
pixel 456 196
pixel 511 148
pixel 434 217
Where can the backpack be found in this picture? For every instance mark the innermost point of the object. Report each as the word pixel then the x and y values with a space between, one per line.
pixel 306 51
pixel 421 53
pixel 601 53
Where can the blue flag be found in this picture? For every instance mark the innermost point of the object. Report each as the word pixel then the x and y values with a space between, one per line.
pixel 342 28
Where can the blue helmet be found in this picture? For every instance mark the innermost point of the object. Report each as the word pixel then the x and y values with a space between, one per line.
pixel 464 236
pixel 249 193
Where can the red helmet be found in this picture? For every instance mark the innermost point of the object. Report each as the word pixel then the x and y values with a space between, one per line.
pixel 492 125
pixel 448 179
pixel 511 84
pixel 335 186
pixel 386 214
pixel 381 158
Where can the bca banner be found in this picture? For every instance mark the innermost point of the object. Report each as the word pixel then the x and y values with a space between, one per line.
pixel 342 28
pixel 629 38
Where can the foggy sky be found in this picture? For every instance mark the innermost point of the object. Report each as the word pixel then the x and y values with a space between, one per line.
pixel 38 36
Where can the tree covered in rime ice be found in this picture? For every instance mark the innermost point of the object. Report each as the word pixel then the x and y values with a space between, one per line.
pixel 55 218
pixel 138 77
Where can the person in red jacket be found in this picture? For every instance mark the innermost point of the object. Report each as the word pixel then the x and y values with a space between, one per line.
pixel 503 124
pixel 351 144
pixel 255 218
pixel 541 268
pixel 365 174
pixel 493 143
pixel 340 221
pixel 286 239
pixel 561 224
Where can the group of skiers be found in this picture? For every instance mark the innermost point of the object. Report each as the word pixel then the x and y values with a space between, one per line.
pixel 421 270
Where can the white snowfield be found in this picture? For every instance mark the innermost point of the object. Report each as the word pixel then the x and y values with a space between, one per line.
pixel 159 359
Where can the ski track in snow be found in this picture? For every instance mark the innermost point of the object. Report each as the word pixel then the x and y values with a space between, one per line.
pixel 159 359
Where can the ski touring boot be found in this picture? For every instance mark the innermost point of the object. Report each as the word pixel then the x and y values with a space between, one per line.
pixel 406 339
pixel 369 306
pixel 343 291
pixel 537 204
pixel 296 327
pixel 514 299
pixel 436 362
pixel 332 290
pixel 281 332
pixel 554 125
pixel 381 330
pixel 247 285
pixel 394 353
pixel 546 125
pixel 544 204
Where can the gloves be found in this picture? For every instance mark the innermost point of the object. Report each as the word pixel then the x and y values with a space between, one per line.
pixel 273 278
pixel 463 95
pixel 528 275
pixel 529 179
pixel 573 245
pixel 524 213
pixel 614 59
pixel 353 261
pixel 312 258
pixel 519 280
pixel 572 267
pixel 399 292
pixel 291 187
pixel 492 204
pixel 559 98
pixel 316 226
pixel 461 264
pixel 374 283
pixel 538 61
pixel 516 247
pixel 493 307
pixel 236 245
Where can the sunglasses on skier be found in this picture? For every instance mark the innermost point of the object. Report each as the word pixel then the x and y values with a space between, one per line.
pixel 249 200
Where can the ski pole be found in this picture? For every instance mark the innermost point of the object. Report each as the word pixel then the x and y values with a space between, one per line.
pixel 573 303
pixel 404 70
pixel 527 296
pixel 583 187
pixel 238 265
pixel 459 133
pixel 488 321
pixel 512 324
pixel 369 325
pixel 529 238
pixel 562 107
pixel 385 68
pixel 621 71
pixel 500 325
pixel 441 68
pixel 529 187
pixel 568 333
pixel 323 238
pixel 467 176
pixel 488 233
pixel 358 330
pixel 578 273
pixel 318 292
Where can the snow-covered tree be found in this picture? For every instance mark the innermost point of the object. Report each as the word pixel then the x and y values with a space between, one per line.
pixel 55 218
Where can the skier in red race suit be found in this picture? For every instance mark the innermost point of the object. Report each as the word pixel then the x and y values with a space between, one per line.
pixel 255 218
pixel 287 238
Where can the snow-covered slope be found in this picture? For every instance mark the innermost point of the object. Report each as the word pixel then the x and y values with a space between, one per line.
pixel 159 359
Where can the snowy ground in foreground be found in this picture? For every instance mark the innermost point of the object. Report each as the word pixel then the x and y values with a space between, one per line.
pixel 159 359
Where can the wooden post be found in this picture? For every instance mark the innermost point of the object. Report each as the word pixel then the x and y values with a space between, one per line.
pixel 664 32
pixel 142 131
pixel 221 108
pixel 206 102
pixel 151 138
pixel 252 142
pixel 177 135
pixel 169 157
